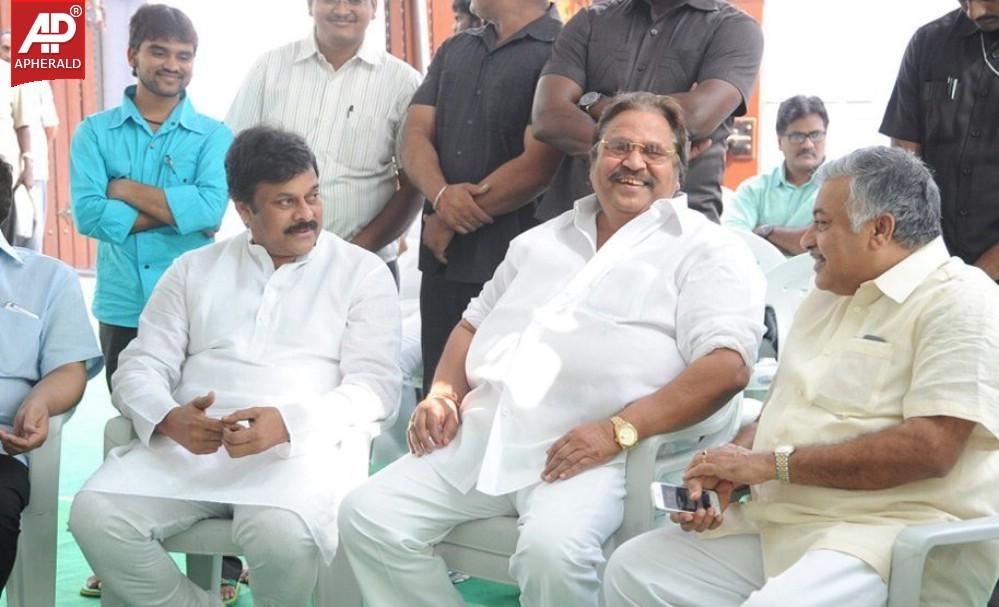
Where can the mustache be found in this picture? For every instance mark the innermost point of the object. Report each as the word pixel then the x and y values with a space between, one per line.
pixel 622 173
pixel 302 226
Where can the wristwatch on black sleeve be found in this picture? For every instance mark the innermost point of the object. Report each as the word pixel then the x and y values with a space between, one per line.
pixel 588 100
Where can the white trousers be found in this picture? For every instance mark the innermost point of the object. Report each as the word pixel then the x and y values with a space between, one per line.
pixel 389 525
pixel 120 537
pixel 673 568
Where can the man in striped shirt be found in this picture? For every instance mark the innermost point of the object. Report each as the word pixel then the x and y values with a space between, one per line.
pixel 347 98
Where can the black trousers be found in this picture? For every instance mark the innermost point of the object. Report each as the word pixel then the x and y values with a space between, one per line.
pixel 14 494
pixel 113 341
pixel 442 303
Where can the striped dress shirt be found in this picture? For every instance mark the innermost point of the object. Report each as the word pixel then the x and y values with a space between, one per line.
pixel 351 118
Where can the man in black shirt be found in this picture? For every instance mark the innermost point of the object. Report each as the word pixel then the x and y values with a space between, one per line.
pixel 703 53
pixel 469 147
pixel 943 108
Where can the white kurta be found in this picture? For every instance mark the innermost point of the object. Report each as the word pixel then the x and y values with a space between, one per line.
pixel 567 334
pixel 317 338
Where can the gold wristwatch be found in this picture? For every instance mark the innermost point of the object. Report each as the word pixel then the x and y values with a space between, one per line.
pixel 624 433
pixel 782 458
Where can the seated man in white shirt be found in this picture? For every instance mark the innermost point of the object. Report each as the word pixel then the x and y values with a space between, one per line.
pixel 629 316
pixel 883 414
pixel 254 357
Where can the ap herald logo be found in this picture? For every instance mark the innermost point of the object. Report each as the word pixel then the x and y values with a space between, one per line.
pixel 47 41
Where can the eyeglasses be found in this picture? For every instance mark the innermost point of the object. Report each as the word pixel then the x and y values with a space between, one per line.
pixel 652 153
pixel 350 2
pixel 799 137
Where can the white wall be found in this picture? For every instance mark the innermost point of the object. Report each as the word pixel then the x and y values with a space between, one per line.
pixel 845 51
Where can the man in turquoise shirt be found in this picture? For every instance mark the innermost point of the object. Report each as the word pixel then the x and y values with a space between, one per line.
pixel 147 177
pixel 778 206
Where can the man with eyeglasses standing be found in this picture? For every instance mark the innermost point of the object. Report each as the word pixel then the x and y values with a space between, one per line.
pixel 943 108
pixel 347 97
pixel 778 205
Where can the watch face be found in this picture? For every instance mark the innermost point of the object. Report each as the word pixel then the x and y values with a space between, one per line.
pixel 627 436
pixel 589 98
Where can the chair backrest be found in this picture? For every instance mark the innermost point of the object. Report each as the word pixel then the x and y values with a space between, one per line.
pixel 787 286
pixel 767 255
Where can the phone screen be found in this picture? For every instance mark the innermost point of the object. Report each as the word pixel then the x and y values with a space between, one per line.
pixel 678 498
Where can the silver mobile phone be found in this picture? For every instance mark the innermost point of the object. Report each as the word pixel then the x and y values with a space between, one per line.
pixel 672 498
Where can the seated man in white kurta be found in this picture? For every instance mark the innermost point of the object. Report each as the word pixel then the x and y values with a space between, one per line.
pixel 254 357
pixel 629 316
pixel 884 413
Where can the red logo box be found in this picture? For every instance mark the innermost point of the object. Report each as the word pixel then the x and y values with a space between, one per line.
pixel 48 40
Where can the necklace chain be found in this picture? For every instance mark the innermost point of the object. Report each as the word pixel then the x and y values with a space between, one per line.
pixel 985 55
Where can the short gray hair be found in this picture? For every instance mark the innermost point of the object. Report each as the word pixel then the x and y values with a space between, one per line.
pixel 893 181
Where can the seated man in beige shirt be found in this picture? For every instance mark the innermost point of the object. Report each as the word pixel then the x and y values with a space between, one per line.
pixel 884 413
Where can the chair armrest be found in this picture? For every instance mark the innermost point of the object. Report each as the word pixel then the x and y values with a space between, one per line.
pixel 914 543
pixel 117 433
pixel 43 466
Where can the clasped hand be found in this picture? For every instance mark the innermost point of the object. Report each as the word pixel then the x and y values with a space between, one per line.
pixel 458 209
pixel 434 424
pixel 245 432
pixel 31 428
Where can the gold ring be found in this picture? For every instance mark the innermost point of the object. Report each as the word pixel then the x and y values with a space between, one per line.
pixel 704 456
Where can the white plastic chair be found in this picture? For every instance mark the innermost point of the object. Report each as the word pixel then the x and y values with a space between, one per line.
pixel 914 544
pixel 32 582
pixel 206 541
pixel 787 286
pixel 767 255
pixel 483 548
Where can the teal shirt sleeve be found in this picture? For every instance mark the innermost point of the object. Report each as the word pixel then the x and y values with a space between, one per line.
pixel 200 205
pixel 95 214
pixel 744 211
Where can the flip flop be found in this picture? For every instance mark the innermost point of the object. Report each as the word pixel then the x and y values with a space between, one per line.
pixel 91 588
pixel 234 584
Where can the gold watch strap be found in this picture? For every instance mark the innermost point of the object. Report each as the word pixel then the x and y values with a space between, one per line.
pixel 783 464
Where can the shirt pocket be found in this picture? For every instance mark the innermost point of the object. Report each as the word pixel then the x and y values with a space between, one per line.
pixel 368 143
pixel 621 293
pixel 940 110
pixel 20 343
pixel 178 172
pixel 852 382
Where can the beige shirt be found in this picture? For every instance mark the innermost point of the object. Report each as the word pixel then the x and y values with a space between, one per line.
pixel 920 340
pixel 15 113
pixel 351 117
pixel 39 95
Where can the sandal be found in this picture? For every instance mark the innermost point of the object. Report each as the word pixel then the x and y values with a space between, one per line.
pixel 91 588
pixel 230 583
